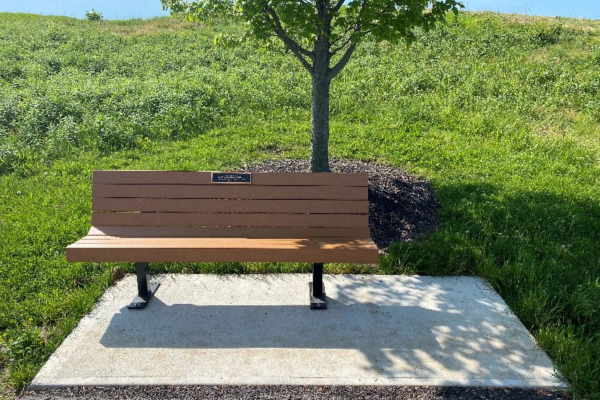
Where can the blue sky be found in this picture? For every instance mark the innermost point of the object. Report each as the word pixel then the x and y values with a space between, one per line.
pixel 122 9
pixel 110 9
pixel 579 9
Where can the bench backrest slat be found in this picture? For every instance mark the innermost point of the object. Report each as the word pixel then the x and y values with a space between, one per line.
pixel 201 232
pixel 229 219
pixel 234 206
pixel 229 191
pixel 203 178
pixel 277 201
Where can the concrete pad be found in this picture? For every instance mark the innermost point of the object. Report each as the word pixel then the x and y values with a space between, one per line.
pixel 258 329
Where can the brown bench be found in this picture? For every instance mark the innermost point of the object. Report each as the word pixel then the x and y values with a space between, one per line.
pixel 163 216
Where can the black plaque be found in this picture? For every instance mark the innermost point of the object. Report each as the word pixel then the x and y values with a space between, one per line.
pixel 231 177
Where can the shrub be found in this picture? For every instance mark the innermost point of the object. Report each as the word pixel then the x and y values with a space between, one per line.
pixel 93 15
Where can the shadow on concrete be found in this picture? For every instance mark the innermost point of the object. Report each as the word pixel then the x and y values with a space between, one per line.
pixel 383 322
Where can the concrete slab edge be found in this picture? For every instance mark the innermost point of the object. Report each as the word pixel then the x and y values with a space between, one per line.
pixel 481 383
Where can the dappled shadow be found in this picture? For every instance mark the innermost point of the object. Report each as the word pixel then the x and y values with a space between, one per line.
pixel 532 244
pixel 413 328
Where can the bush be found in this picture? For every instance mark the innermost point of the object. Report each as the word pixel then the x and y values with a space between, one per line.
pixel 93 15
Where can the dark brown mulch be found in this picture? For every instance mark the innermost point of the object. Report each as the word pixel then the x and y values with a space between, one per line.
pixel 402 206
pixel 291 392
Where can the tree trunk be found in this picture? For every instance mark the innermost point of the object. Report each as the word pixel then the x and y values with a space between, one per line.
pixel 319 135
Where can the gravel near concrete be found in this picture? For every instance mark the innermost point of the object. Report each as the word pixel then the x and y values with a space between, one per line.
pixel 401 206
pixel 291 393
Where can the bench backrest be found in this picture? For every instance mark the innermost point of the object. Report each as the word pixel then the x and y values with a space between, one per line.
pixel 272 205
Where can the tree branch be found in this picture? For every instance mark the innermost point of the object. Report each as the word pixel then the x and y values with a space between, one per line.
pixel 338 5
pixel 360 13
pixel 342 62
pixel 291 44
pixel 346 57
pixel 342 35
pixel 341 46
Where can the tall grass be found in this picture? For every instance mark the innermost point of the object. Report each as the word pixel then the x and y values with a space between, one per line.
pixel 501 113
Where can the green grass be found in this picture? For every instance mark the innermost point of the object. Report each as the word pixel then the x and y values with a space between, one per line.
pixel 501 113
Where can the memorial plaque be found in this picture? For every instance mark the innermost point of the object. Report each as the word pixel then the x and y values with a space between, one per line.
pixel 231 177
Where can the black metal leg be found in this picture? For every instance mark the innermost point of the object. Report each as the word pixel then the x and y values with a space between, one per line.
pixel 143 281
pixel 318 300
pixel 318 280
pixel 146 289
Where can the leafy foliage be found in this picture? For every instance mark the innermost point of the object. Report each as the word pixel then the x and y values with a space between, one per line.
pixel 93 15
pixel 389 20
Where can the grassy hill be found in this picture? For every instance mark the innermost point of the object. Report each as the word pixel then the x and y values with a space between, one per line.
pixel 500 112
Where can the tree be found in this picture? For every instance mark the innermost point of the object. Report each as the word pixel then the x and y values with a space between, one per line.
pixel 323 35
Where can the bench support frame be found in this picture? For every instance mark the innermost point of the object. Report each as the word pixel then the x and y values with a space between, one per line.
pixel 146 289
pixel 318 300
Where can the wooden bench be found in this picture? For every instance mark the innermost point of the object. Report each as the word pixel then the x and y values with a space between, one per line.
pixel 163 216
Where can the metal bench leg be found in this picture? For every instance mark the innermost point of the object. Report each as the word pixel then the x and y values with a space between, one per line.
pixel 146 289
pixel 318 301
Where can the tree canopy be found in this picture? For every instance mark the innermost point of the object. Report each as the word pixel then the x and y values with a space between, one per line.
pixel 323 35
pixel 299 23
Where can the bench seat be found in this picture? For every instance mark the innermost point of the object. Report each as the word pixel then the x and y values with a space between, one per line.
pixel 169 249
pixel 188 244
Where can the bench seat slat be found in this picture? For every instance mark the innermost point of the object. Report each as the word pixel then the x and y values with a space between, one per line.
pixel 229 192
pixel 193 219
pixel 367 256
pixel 224 243
pixel 229 232
pixel 238 206
pixel 227 250
pixel 258 178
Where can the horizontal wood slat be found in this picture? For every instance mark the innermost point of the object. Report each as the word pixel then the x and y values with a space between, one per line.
pixel 225 243
pixel 203 178
pixel 189 219
pixel 237 206
pixel 230 192
pixel 226 232
pixel 128 254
